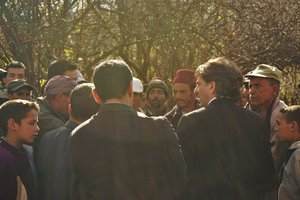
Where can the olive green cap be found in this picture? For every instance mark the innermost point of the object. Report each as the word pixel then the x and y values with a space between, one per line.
pixel 265 71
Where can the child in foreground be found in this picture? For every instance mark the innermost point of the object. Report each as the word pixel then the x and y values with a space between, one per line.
pixel 288 130
pixel 19 123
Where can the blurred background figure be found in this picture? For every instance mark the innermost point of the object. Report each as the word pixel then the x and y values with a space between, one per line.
pixel 20 89
pixel 157 95
pixel 14 70
pixel 138 90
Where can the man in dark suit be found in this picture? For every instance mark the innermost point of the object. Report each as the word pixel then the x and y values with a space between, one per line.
pixel 225 146
pixel 123 154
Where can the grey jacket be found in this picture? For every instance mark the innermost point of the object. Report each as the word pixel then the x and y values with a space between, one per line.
pixel 48 120
pixel 289 188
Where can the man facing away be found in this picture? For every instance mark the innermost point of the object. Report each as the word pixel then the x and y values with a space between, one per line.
pixel 19 122
pixel 225 146
pixel 120 153
pixel 53 162
pixel 183 93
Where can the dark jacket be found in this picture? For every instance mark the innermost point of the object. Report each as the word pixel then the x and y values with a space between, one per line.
pixel 15 163
pixel 227 152
pixel 48 120
pixel 175 114
pixel 54 164
pixel 123 154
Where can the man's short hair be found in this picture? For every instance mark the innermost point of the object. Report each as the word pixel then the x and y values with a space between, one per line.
pixel 292 113
pixel 16 110
pixel 59 67
pixel 112 79
pixel 15 64
pixel 226 74
pixel 83 104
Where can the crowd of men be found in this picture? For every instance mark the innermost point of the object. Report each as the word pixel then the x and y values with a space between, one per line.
pixel 227 136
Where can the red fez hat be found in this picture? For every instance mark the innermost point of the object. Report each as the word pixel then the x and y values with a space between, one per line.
pixel 186 76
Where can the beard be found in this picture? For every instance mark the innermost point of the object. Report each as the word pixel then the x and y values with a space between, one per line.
pixel 156 104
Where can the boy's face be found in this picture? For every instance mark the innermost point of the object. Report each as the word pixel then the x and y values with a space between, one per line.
pixel 284 131
pixel 28 129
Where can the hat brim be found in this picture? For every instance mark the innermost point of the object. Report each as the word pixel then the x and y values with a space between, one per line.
pixel 260 76
pixel 22 86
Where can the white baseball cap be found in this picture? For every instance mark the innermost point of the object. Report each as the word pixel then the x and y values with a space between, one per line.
pixel 137 85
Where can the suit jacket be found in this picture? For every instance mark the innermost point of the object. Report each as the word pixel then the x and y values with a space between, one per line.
pixel 227 152
pixel 175 114
pixel 122 154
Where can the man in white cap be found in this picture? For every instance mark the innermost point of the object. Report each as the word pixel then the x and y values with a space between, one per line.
pixel 137 94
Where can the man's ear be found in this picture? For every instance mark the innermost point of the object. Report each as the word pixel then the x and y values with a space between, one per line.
pixel 212 86
pixel 96 96
pixel 11 124
pixel 294 126
pixel 130 89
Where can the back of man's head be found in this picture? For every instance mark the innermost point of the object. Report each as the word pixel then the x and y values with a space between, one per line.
pixel 112 79
pixel 226 74
pixel 59 67
pixel 83 104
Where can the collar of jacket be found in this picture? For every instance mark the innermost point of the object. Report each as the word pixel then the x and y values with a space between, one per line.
pixel 113 107
pixel 13 150
pixel 295 145
pixel 71 125
pixel 177 111
pixel 46 107
pixel 220 100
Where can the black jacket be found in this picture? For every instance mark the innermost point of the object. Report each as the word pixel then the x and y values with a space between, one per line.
pixel 54 164
pixel 123 154
pixel 227 152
